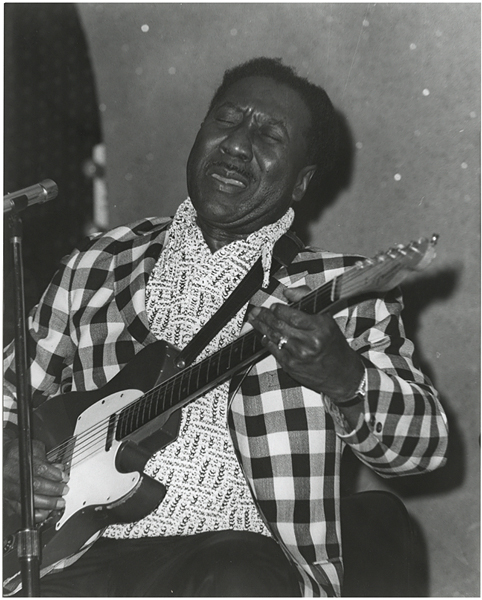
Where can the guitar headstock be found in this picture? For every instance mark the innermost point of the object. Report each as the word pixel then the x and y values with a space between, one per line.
pixel 388 269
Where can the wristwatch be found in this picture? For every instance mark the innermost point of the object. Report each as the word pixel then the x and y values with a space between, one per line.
pixel 359 394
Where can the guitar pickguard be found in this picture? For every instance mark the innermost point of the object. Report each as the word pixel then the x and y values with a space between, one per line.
pixel 92 460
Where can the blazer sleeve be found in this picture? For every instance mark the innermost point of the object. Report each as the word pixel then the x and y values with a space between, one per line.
pixel 50 344
pixel 403 429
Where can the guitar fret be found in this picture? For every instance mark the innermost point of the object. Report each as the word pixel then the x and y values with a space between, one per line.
pixel 197 376
pixel 160 398
pixel 210 362
pixel 171 395
pixel 145 408
pixel 133 421
pixel 183 388
pixel 232 349
pixel 252 348
pixel 179 387
pixel 153 405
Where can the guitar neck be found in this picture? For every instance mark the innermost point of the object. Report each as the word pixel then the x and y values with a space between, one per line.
pixel 196 380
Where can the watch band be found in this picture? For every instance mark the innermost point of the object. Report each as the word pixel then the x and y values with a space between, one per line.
pixel 359 394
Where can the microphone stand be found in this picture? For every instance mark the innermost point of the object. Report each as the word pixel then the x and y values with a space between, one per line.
pixel 28 538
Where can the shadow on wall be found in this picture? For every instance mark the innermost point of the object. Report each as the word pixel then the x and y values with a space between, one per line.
pixel 324 189
pixel 418 295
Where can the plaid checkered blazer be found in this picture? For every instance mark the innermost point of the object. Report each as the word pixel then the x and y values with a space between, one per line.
pixel 91 322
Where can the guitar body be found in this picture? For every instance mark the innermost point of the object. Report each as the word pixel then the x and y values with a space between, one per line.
pixel 106 481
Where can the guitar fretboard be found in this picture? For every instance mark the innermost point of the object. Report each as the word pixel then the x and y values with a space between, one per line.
pixel 195 380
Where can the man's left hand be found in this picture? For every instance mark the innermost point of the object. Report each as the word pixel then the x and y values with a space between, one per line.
pixel 310 348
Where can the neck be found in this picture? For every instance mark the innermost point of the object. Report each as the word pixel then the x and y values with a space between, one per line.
pixel 217 238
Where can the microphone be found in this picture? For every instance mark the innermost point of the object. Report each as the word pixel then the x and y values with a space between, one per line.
pixel 34 194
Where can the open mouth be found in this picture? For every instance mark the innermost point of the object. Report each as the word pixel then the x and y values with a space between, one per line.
pixel 228 180
pixel 229 175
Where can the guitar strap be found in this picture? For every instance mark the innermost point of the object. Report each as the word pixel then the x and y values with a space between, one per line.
pixel 284 251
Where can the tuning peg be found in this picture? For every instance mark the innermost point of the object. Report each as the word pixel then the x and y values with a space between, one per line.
pixel 392 253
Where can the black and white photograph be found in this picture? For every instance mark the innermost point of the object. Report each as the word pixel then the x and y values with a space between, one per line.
pixel 241 299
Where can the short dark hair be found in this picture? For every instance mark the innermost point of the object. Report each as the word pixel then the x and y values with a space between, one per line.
pixel 323 135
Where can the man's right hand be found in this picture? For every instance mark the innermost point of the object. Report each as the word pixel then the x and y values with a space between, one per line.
pixel 49 480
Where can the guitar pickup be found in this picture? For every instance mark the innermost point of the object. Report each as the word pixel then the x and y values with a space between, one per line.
pixel 110 431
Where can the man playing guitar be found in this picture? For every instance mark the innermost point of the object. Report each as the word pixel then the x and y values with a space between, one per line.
pixel 241 495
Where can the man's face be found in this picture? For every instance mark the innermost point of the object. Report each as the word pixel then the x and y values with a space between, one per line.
pixel 248 162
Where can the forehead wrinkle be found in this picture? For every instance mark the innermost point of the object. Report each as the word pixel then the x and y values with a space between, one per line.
pixel 259 115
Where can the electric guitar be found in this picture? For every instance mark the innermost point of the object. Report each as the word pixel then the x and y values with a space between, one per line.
pixel 105 437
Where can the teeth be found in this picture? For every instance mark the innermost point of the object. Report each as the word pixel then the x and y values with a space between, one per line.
pixel 228 181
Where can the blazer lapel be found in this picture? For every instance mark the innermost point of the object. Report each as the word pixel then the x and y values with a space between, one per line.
pixel 133 265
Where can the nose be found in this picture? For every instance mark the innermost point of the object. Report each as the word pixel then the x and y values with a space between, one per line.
pixel 238 144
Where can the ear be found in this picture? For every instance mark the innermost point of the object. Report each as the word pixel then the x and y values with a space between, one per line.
pixel 302 181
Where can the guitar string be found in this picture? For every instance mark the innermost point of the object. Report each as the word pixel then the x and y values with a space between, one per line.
pixel 87 440
pixel 83 441
pixel 90 439
pixel 93 438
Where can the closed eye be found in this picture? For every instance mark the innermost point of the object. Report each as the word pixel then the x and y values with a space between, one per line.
pixel 228 115
pixel 272 136
pixel 226 121
pixel 271 133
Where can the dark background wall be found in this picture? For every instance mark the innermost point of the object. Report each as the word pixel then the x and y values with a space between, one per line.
pixel 51 123
pixel 406 80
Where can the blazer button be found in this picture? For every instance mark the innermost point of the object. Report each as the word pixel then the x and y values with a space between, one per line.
pixel 379 427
